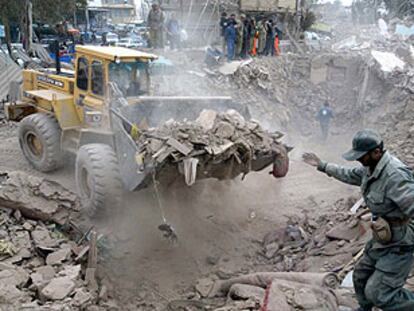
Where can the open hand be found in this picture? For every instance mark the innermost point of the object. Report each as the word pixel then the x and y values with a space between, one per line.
pixel 311 159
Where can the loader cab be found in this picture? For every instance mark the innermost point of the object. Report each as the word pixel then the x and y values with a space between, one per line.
pixel 97 66
pixel 132 78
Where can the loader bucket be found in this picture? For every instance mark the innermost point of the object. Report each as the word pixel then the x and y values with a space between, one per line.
pixel 139 167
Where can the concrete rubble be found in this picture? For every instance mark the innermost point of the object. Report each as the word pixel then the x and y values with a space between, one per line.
pixel 35 197
pixel 40 266
pixel 219 145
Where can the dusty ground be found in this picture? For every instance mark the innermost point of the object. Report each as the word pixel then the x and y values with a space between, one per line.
pixel 218 223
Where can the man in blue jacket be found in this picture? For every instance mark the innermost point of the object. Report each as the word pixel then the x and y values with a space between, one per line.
pixel 324 116
pixel 230 34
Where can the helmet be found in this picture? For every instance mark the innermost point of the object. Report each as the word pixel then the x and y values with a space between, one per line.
pixel 363 142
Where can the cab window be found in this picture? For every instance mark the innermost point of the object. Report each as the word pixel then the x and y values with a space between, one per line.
pixel 132 78
pixel 97 79
pixel 82 74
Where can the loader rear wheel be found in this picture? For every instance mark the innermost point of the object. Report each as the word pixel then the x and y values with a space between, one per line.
pixel 98 180
pixel 39 138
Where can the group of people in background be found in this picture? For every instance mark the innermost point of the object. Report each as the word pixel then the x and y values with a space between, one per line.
pixel 249 36
pixel 158 27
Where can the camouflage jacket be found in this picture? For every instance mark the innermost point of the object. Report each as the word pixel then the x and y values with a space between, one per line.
pixel 388 192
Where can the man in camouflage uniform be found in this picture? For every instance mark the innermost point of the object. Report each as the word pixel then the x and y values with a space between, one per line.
pixel 156 26
pixel 240 35
pixel 261 29
pixel 387 186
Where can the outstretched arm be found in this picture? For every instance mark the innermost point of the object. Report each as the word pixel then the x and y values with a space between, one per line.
pixel 352 176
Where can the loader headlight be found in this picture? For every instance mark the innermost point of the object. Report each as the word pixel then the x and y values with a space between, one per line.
pixel 93 118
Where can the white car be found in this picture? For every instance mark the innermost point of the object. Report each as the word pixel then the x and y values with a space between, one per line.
pixel 112 38
pixel 130 43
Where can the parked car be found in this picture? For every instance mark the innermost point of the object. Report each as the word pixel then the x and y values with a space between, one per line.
pixel 130 43
pixel 112 38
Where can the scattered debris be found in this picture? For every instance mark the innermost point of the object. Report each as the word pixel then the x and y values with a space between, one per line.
pixel 37 264
pixel 388 61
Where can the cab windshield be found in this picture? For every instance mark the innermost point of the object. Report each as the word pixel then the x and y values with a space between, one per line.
pixel 132 78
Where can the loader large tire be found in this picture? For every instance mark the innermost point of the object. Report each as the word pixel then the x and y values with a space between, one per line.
pixel 39 138
pixel 98 180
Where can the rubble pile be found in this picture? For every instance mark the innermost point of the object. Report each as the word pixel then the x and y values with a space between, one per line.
pixel 306 262
pixel 313 243
pixel 223 144
pixel 386 96
pixel 281 91
pixel 41 258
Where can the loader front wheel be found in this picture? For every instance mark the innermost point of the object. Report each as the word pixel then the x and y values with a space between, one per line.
pixel 39 138
pixel 98 180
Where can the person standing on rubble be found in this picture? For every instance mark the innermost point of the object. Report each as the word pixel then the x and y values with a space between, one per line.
pixel 156 26
pixel 223 25
pixel 324 116
pixel 173 32
pixel 261 34
pixel 253 38
pixel 230 34
pixel 240 35
pixel 246 37
pixel 269 38
pixel 387 186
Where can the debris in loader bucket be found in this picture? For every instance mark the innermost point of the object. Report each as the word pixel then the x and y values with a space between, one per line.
pixel 218 145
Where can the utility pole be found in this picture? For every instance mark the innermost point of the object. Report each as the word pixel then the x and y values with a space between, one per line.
pixel 75 18
pixel 297 17
pixel 28 25
pixel 87 18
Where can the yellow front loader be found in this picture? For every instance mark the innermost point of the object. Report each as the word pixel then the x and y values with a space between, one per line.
pixel 91 112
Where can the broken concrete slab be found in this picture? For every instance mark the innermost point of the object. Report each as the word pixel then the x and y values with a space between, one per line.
pixel 16 277
pixel 34 197
pixel 178 146
pixel 9 294
pixel 204 286
pixel 42 276
pixel 224 130
pixel 206 119
pixel 231 68
pixel 21 239
pixel 271 250
pixel 82 298
pixel 344 231
pixel 71 271
pixel 41 238
pixel 58 288
pixel 388 61
pixel 306 299
pixel 277 300
pixel 58 257
pixel 243 291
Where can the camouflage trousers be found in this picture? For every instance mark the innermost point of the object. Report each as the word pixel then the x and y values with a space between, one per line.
pixel 379 277
pixel 156 38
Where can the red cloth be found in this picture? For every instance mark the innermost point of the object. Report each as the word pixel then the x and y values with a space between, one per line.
pixel 277 49
pixel 281 165
pixel 266 298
